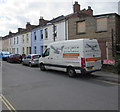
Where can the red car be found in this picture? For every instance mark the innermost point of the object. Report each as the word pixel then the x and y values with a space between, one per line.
pixel 15 58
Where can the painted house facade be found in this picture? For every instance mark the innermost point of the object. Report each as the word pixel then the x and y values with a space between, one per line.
pixel 7 42
pixel 16 43
pixel 37 41
pixel 25 40
pixel 55 30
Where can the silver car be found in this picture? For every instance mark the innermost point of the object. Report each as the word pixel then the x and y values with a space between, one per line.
pixel 31 60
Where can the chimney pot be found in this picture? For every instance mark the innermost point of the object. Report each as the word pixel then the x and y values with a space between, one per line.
pixel 20 30
pixel 89 11
pixel 76 7
pixel 41 21
pixel 28 26
pixel 10 33
pixel 28 23
pixel 89 7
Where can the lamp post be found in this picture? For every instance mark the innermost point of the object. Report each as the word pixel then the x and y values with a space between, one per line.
pixel 54 31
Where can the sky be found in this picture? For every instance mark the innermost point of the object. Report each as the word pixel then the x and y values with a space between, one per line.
pixel 15 14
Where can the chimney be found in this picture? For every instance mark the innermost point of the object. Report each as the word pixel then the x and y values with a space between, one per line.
pixel 28 26
pixel 89 11
pixel 10 33
pixel 41 21
pixel 19 30
pixel 76 7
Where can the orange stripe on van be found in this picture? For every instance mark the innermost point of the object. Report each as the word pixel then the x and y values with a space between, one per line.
pixel 71 54
pixel 93 59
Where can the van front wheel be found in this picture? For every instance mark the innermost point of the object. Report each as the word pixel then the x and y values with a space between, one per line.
pixel 42 67
pixel 71 72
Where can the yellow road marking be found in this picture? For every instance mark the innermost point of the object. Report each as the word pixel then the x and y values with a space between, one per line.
pixel 7 103
pixel 107 82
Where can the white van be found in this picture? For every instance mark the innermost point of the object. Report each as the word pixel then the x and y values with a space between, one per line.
pixel 72 56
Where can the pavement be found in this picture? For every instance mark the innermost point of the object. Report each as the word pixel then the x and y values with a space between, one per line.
pixel 108 76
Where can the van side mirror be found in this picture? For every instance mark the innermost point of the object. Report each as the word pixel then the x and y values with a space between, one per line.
pixel 43 55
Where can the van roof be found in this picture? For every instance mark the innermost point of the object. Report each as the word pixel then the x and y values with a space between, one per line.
pixel 71 40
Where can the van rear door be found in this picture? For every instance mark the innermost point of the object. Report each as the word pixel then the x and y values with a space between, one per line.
pixel 92 55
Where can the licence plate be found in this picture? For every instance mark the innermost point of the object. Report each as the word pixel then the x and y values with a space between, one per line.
pixel 90 68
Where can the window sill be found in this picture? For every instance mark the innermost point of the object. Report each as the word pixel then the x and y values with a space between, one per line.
pixel 100 31
pixel 81 33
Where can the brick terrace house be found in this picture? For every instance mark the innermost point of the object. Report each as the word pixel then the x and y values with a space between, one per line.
pixel 105 28
pixel 80 24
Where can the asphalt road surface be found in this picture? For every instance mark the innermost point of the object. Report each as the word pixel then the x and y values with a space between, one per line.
pixel 28 88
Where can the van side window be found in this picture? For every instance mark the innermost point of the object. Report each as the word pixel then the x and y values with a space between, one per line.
pixel 47 52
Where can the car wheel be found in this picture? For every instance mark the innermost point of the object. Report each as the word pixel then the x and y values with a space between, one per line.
pixel 71 72
pixel 22 63
pixel 42 67
pixel 30 65
pixel 19 61
pixel 8 60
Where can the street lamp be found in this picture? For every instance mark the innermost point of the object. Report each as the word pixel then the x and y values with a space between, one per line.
pixel 54 32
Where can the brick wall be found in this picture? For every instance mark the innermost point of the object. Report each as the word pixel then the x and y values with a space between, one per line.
pixel 91 32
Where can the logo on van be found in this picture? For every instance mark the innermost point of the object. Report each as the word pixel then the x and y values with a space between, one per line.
pixel 92 47
pixel 57 50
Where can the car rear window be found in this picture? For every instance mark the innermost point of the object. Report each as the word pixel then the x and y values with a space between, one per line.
pixel 36 56
pixel 16 55
pixel 28 57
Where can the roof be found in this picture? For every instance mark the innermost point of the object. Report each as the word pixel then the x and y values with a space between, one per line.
pixel 106 14
pixel 57 19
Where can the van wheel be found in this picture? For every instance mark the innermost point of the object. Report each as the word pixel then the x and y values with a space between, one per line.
pixel 30 65
pixel 42 67
pixel 71 72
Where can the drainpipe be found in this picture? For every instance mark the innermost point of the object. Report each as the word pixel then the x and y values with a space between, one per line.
pixel 53 32
pixel 66 29
pixel 112 37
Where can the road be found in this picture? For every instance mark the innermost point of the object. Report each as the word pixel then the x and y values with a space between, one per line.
pixel 28 88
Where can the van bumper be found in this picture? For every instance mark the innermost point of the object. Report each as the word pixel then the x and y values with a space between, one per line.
pixel 84 71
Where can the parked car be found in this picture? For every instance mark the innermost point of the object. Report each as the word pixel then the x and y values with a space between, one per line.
pixel 4 55
pixel 15 58
pixel 31 60
pixel 0 54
